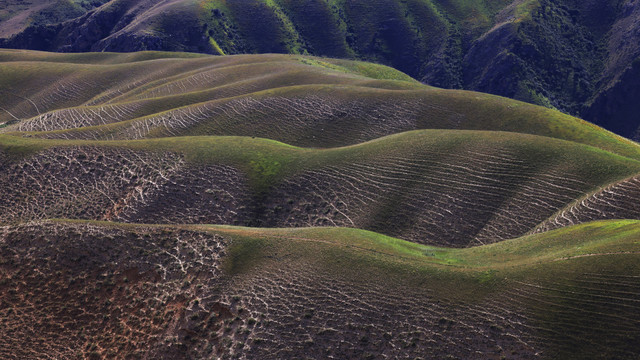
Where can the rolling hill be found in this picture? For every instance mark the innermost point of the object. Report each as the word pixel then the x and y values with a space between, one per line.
pixel 178 205
pixel 451 188
pixel 577 56
pixel 96 290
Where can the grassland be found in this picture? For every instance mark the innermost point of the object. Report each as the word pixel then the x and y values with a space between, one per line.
pixel 124 96
pixel 278 135
pixel 574 56
pixel 288 206
pixel 555 278
pixel 384 185
pixel 227 291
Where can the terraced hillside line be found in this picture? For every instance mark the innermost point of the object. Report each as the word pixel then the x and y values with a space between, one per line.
pixel 445 200
pixel 432 187
pixel 61 84
pixel 86 116
pixel 302 309
pixel 615 201
pixel 577 305
pixel 201 73
pixel 181 292
pixel 213 194
pixel 339 115
pixel 299 100
pixel 65 85
pixel 107 184
pixel 214 76
pixel 72 291
pixel 77 117
pixel 159 292
pixel 302 117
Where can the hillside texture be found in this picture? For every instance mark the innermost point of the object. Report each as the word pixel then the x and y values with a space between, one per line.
pixel 577 56
pixel 83 290
pixel 161 205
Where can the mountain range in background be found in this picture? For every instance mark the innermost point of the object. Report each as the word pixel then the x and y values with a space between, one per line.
pixel 580 57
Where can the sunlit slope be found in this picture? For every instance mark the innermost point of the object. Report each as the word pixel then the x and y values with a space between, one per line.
pixel 579 281
pixel 40 85
pixel 303 101
pixel 448 187
pixel 208 291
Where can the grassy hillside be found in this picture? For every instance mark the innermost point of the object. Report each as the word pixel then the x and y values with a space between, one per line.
pixel 576 56
pixel 203 291
pixel 416 185
pixel 303 101
pixel 614 201
pixel 401 34
pixel 289 206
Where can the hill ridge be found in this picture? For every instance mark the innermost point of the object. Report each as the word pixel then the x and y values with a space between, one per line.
pixel 300 207
pixel 433 177
pixel 350 113
pixel 493 304
pixel 579 57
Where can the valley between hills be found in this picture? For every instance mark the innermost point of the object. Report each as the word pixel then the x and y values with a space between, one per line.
pixel 160 205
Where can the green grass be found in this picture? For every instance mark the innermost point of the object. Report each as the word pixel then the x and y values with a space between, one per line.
pixel 524 9
pixel 595 240
pixel 269 161
pixel 397 33
pixel 590 239
pixel 463 281
pixel 601 238
pixel 517 258
pixel 35 75
pixel 367 69
pixel 479 111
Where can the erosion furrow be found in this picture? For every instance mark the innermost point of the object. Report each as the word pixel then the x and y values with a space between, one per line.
pixel 615 201
pixel 441 192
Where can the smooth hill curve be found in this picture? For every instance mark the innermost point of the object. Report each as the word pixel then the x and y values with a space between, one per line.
pixel 305 101
pixel 174 243
pixel 446 187
pixel 180 292
pixel 581 57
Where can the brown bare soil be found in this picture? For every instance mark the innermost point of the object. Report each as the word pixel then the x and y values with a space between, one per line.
pixel 470 196
pixel 93 292
pixel 79 290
